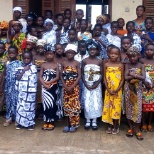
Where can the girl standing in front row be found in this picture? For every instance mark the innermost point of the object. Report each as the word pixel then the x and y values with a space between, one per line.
pixel 134 75
pixel 92 93
pixel 113 79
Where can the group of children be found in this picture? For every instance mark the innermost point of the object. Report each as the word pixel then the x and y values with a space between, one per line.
pixel 70 68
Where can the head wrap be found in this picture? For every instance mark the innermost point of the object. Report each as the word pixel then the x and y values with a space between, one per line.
pixel 41 42
pixel 48 20
pixel 91 43
pixel 31 15
pixel 17 8
pixel 49 47
pixel 71 47
pixel 4 25
pixel 32 39
pixel 133 51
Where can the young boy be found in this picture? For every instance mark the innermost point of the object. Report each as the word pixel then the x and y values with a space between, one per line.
pixel 121 30
pixel 79 15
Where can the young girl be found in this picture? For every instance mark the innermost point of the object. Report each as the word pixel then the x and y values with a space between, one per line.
pixel 72 37
pixel 121 24
pixel 11 95
pixel 70 78
pixel 92 93
pixel 134 75
pixel 49 75
pixel 102 40
pixel 26 85
pixel 40 28
pixel 148 89
pixel 113 79
pixel 114 38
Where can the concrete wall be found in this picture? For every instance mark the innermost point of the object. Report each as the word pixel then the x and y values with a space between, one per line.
pixel 6 10
pixel 125 9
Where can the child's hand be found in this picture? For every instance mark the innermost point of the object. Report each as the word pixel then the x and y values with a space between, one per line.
pixel 47 87
pixel 27 68
pixel 132 74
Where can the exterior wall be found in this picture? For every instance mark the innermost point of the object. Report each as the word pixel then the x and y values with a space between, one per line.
pixel 125 9
pixel 6 10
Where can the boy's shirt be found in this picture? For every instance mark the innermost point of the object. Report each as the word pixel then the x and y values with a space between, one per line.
pixel 79 58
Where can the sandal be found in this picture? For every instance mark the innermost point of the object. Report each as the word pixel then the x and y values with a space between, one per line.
pixel 87 126
pixel 115 131
pixel 139 136
pixel 144 128
pixel 109 130
pixel 7 123
pixel 45 127
pixel 50 127
pixel 94 126
pixel 66 129
pixel 129 133
pixel 150 128
pixel 72 129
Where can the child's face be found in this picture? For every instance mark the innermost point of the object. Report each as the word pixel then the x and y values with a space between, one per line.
pixel 40 21
pixel 121 23
pixel 16 27
pixel 82 48
pixel 114 28
pixel 49 56
pixel 17 14
pixel 59 49
pixel 93 52
pixel 12 53
pixel 148 24
pixel 126 43
pixel 60 20
pixel 139 11
pixel 2 49
pixel 133 58
pixel 114 54
pixel 40 49
pixel 97 31
pixel 70 54
pixel 49 26
pixel 66 24
pixel 130 28
pixel 72 35
pixel 29 21
pixel 27 58
pixel 34 32
pixel 29 46
pixel 100 21
pixel 79 15
pixel 68 14
pixel 149 51
pixel 83 25
pixel 48 15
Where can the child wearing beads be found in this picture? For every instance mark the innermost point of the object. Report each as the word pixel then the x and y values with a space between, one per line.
pixel 92 93
pixel 134 75
pixel 70 78
pixel 113 79
pixel 49 75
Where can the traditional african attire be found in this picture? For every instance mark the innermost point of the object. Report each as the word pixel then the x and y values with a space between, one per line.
pixel 64 37
pixel 84 36
pixel 112 103
pixel 139 27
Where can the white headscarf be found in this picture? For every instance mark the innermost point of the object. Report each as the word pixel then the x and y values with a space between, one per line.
pixel 48 20
pixel 17 8
pixel 71 47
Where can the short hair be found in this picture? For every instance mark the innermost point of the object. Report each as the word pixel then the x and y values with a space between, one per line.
pixel 80 42
pixel 142 6
pixel 98 25
pixel 130 22
pixel 80 10
pixel 72 29
pixel 84 20
pixel 28 52
pixel 120 19
pixel 29 28
pixel 149 44
pixel 108 16
pixel 58 15
pixel 114 22
pixel 126 38
pixel 114 47
pixel 40 17
pixel 67 19
pixel 58 44
pixel 148 18
pixel 67 10
pixel 13 47
pixel 50 11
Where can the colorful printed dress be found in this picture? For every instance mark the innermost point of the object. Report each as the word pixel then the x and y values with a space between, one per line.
pixel 148 94
pixel 112 103
pixel 3 61
pixel 133 98
pixel 84 36
pixel 49 97
pixel 92 98
pixel 139 27
pixel 71 103
pixel 26 87
pixel 11 95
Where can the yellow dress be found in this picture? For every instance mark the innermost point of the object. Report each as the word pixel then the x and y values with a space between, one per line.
pixel 112 103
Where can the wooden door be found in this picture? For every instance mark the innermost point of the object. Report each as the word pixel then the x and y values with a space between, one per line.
pixel 149 4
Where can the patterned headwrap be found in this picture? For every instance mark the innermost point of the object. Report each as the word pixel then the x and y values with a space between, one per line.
pixel 71 47
pixel 49 47
pixel 17 8
pixel 41 42
pixel 4 25
pixel 32 39
pixel 133 51
pixel 92 44
pixel 102 17
pixel 31 15
pixel 48 20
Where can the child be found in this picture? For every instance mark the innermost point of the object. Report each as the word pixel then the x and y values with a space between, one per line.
pixel 48 14
pixel 59 22
pixel 30 18
pixel 121 24
pixel 134 75
pixel 26 85
pixel 40 28
pixel 3 61
pixel 148 89
pixel 107 24
pixel 113 79
pixel 70 78
pixel 114 38
pixel 32 31
pixel 11 95
pixel 130 26
pixel 79 15
pixel 49 75
pixel 151 33
pixel 101 39
pixel 92 77
pixel 68 14
pixel 84 34
pixel 126 42
pixel 72 37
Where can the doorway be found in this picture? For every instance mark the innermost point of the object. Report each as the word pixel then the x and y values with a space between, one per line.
pixel 35 6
